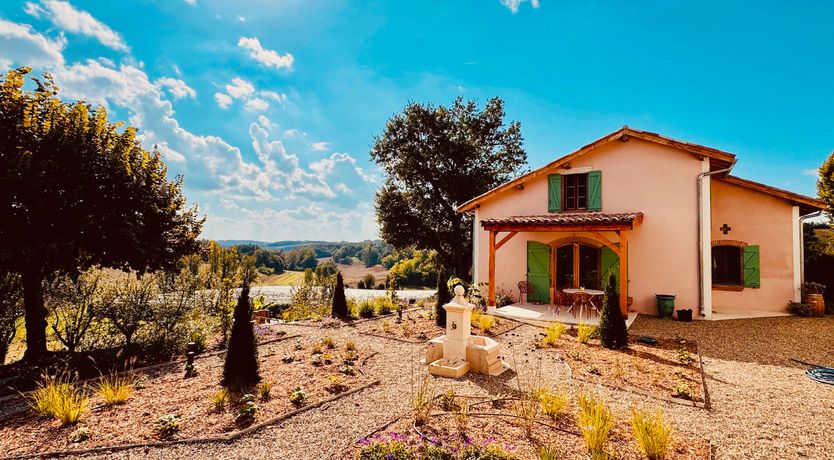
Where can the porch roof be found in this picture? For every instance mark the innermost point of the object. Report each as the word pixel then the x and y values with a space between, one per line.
pixel 565 221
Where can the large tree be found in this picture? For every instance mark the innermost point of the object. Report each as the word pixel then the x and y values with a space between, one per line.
pixel 435 159
pixel 825 184
pixel 78 191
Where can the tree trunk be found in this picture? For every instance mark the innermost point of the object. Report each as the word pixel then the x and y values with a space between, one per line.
pixel 35 314
pixel 4 349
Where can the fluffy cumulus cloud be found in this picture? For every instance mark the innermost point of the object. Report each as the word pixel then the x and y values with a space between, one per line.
pixel 267 58
pixel 66 17
pixel 263 192
pixel 176 87
pixel 320 146
pixel 513 5
pixel 21 45
pixel 243 90
pixel 223 100
pixel 256 104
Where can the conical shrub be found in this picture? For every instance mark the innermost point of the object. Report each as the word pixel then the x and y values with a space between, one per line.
pixel 612 326
pixel 241 367
pixel 340 306
pixel 443 297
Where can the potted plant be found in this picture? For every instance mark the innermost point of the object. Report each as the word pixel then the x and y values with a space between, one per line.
pixel 812 295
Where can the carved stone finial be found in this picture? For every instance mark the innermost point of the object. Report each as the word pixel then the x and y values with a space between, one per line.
pixel 459 290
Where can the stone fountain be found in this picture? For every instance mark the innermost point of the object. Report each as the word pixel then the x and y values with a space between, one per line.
pixel 458 351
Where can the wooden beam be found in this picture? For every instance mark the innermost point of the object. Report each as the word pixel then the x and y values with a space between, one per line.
pixel 624 273
pixel 602 239
pixel 491 296
pixel 504 240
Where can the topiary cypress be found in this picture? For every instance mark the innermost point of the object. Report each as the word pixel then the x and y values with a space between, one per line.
pixel 612 325
pixel 340 306
pixel 241 367
pixel 443 297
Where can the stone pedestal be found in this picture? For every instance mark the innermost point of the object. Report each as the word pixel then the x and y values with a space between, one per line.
pixel 458 351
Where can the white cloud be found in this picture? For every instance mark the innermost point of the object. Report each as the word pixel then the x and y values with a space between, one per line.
pixel 178 88
pixel 66 17
pixel 513 5
pixel 223 100
pixel 275 96
pixel 292 132
pixel 267 58
pixel 241 19
pixel 20 45
pixel 320 146
pixel 240 88
pixel 812 172
pixel 264 121
pixel 257 104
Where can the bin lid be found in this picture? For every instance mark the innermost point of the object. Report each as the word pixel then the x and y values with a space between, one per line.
pixel 665 295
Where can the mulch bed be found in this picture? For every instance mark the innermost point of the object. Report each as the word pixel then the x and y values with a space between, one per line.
pixel 418 326
pixel 497 424
pixel 660 369
pixel 163 390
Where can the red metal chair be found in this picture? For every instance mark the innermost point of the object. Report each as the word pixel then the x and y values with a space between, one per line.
pixel 560 299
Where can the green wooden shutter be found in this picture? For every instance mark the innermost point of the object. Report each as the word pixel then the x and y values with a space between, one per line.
pixel 538 271
pixel 752 270
pixel 609 264
pixel 595 191
pixel 554 192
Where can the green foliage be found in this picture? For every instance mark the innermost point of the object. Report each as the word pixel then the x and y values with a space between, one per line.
pixel 503 298
pixel 267 260
pixel 80 435
pixel 131 304
pixel 64 166
pixel 298 397
pixel 247 410
pixel 74 304
pixel 367 309
pixel 417 271
pixel 340 306
pixel 612 329
pixel 485 323
pixel 58 397
pixel 825 185
pixel 595 423
pixel 653 434
pixel 682 390
pixel 168 425
pixel 11 310
pixel 548 453
pixel 585 332
pixel 434 159
pixel 241 366
pixel 115 388
pixel 265 390
pixel 325 269
pixel 312 300
pixel 802 309
pixel 395 446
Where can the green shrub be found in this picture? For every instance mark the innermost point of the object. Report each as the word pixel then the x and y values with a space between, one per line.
pixel 220 399
pixel 653 434
pixel 329 342
pixel 58 397
pixel 247 410
pixel 384 306
pixel 585 332
pixel 802 309
pixel 682 390
pixel 548 453
pixel 265 390
pixel 485 323
pixel 81 434
pixel 339 308
pixel 391 450
pixel 297 396
pixel 595 422
pixel 367 309
pixel 350 345
pixel 240 368
pixel 613 332
pixel 115 388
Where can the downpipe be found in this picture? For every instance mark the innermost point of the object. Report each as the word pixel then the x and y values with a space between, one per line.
pixel 700 237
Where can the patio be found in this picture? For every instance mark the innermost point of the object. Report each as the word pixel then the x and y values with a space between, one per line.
pixel 547 313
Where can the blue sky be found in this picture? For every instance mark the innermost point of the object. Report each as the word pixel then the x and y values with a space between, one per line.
pixel 269 108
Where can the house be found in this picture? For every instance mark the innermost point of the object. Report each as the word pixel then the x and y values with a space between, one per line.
pixel 665 215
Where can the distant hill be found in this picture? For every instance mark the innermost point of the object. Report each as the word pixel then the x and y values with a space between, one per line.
pixel 284 245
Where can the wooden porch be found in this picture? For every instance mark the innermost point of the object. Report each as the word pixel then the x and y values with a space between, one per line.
pixel 590 224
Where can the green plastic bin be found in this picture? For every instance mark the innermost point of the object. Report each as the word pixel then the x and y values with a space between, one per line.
pixel 665 305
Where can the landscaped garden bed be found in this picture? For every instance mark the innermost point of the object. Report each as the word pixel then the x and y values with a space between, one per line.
pixel 668 369
pixel 419 326
pixel 506 427
pixel 163 405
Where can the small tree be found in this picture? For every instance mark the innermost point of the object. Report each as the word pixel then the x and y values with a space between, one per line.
pixel 74 304
pixel 132 305
pixel 612 325
pixel 340 307
pixel 443 297
pixel 11 310
pixel 241 366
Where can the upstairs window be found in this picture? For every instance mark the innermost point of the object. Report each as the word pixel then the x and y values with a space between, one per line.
pixel 576 192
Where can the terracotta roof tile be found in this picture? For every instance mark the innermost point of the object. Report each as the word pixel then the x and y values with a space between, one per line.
pixel 567 218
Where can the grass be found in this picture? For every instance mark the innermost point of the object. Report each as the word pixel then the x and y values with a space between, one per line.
pixel 585 332
pixel 220 399
pixel 58 397
pixel 595 422
pixel 553 333
pixel 553 403
pixel 114 388
pixel 265 390
pixel 654 435
pixel 485 323
pixel 288 278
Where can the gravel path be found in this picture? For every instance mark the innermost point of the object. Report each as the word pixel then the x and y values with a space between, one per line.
pixel 763 407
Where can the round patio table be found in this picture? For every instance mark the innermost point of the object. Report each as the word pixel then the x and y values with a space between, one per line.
pixel 591 293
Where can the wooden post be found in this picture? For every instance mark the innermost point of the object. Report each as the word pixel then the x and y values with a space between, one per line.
pixel 624 273
pixel 491 297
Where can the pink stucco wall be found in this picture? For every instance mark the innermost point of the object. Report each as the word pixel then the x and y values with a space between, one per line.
pixel 756 219
pixel 637 176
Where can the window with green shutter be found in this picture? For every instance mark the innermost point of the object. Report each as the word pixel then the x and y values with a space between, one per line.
pixel 752 268
pixel 595 191
pixel 554 192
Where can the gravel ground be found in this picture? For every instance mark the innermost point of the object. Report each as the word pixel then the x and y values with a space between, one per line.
pixel 763 407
